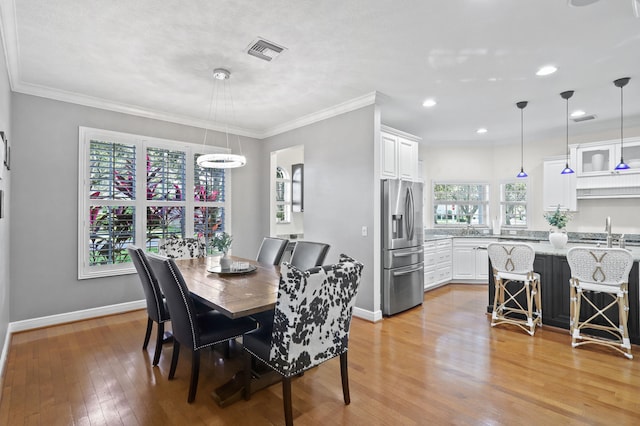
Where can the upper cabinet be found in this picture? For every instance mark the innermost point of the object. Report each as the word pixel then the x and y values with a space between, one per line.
pixel 558 189
pixel 595 169
pixel 601 158
pixel 399 155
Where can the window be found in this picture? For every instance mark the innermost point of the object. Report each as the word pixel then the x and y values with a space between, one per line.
pixel 460 204
pixel 283 196
pixel 133 190
pixel 513 204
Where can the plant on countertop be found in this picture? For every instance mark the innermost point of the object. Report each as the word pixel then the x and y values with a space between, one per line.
pixel 558 218
pixel 221 242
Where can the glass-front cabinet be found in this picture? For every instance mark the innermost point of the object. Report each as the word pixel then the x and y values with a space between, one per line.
pixel 603 157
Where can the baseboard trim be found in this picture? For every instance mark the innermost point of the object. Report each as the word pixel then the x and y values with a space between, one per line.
pixel 50 320
pixel 3 358
pixel 373 316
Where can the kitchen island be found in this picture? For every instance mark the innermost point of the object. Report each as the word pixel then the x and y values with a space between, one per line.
pixel 552 265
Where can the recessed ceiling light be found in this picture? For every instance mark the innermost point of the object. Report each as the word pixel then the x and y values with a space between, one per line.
pixel 481 131
pixel 546 70
pixel 578 113
pixel 429 103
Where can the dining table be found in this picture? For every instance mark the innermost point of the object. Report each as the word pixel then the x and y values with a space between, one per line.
pixel 245 289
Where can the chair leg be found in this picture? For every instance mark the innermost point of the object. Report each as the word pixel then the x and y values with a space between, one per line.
pixel 344 373
pixel 148 334
pixel 248 361
pixel 159 342
pixel 286 399
pixel 195 371
pixel 174 359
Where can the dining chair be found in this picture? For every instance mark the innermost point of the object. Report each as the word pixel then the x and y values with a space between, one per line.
pixel 307 254
pixel 311 325
pixel 517 297
pixel 182 248
pixel 600 270
pixel 271 250
pixel 194 331
pixel 157 310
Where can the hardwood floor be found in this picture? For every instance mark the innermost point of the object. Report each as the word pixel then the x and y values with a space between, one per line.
pixel 441 363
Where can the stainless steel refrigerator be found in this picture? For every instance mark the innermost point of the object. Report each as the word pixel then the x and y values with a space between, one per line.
pixel 402 251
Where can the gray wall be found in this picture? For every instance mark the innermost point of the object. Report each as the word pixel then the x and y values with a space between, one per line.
pixel 338 187
pixel 5 119
pixel 45 183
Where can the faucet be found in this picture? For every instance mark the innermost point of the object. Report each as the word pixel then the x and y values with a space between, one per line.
pixel 607 228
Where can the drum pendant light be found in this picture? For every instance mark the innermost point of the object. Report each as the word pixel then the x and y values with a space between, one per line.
pixel 221 160
pixel 566 95
pixel 522 105
pixel 621 82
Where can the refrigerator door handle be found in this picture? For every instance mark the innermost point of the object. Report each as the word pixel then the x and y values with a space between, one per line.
pixel 409 271
pixel 409 209
pixel 411 253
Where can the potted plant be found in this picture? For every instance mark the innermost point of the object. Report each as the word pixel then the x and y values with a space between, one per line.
pixel 558 219
pixel 221 242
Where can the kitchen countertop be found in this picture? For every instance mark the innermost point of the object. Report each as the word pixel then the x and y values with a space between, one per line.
pixel 540 246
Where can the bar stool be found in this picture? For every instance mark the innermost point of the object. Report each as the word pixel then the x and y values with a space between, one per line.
pixel 600 270
pixel 513 263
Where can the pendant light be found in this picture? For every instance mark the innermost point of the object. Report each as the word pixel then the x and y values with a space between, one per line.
pixel 621 82
pixel 221 160
pixel 522 105
pixel 566 95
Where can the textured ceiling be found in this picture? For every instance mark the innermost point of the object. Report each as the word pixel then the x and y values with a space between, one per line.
pixel 476 57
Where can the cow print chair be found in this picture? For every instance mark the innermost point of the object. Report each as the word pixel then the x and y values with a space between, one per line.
pixel 310 326
pixel 182 248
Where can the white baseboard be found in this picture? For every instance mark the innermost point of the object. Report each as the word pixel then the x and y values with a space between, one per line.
pixel 30 324
pixel 373 316
pixel 3 357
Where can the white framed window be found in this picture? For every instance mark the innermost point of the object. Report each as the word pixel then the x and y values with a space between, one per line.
pixel 283 196
pixel 138 190
pixel 513 203
pixel 460 204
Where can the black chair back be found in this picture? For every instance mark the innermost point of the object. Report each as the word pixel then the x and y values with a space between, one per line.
pixel 181 307
pixel 307 254
pixel 271 250
pixel 152 293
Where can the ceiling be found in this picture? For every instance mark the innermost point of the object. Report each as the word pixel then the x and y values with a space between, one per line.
pixel 477 58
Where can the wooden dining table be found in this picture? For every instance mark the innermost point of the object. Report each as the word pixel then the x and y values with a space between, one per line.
pixel 236 295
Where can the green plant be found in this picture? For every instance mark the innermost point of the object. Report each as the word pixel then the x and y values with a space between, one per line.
pixel 221 242
pixel 558 218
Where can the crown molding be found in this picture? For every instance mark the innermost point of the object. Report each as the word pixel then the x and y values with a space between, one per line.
pixel 90 101
pixel 347 106
pixel 9 36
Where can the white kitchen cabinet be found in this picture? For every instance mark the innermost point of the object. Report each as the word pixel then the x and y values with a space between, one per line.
pixel 398 155
pixel 470 260
pixel 558 189
pixel 601 158
pixel 437 263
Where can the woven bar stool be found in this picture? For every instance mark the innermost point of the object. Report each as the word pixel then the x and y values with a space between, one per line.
pixel 513 262
pixel 600 270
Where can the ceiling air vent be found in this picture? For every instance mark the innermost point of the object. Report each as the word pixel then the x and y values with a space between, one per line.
pixel 584 118
pixel 263 49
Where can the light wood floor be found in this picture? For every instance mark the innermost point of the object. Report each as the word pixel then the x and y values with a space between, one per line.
pixel 441 363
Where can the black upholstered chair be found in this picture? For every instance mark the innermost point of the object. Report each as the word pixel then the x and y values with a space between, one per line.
pixel 311 325
pixel 189 329
pixel 307 254
pixel 271 250
pixel 156 306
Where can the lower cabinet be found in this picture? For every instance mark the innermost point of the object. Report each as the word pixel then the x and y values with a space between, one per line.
pixel 470 260
pixel 437 263
pixel 554 287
